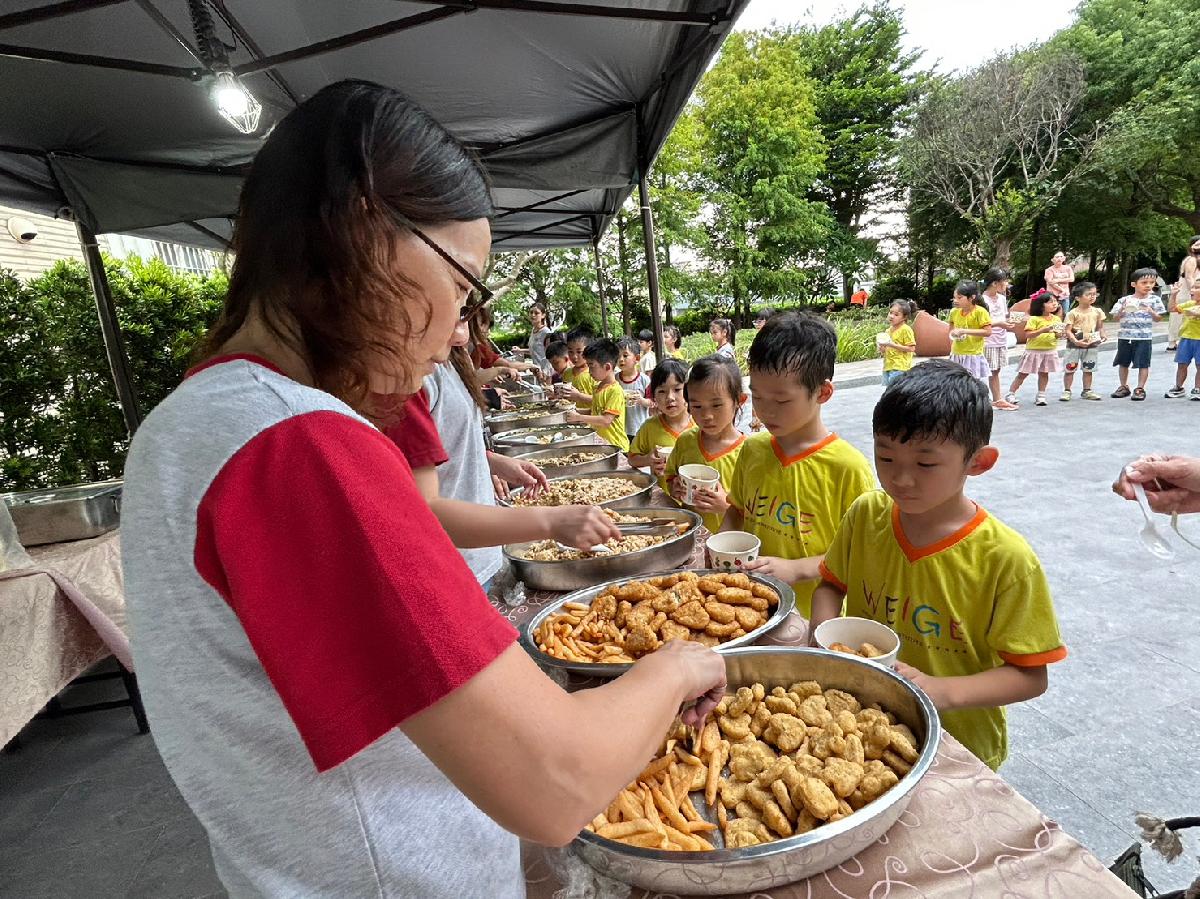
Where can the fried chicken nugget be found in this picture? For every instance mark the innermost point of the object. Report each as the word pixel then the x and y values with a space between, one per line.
pixel 749 618
pixel 843 777
pixel 784 797
pixel 806 821
pixel 735 727
pixel 741 702
pixel 846 721
pixel 828 745
pixel 774 818
pixel 710 586
pixel 736 580
pixel 720 630
pixel 778 768
pixel 751 826
pixel 836 700
pixel 783 705
pixel 759 720
pixel 762 591
pixel 640 615
pixel 691 614
pixel 896 763
pixel 666 602
pixel 787 732
pixel 809 765
pixel 707 640
pixel 816 796
pixel 867 717
pixel 747 811
pixel 870 651
pixel 720 612
pixel 736 596
pixel 876 739
pixel 854 749
pixel 903 746
pixel 672 631
pixel 842 647
pixel 732 792
pixel 748 760
pixel 805 689
pixel 741 839
pixel 637 591
pixel 624 607
pixel 640 641
pixel 875 782
pixel 605 606
pixel 813 711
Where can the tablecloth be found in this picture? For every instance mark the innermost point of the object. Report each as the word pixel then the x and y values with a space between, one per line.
pixel 966 834
pixel 45 642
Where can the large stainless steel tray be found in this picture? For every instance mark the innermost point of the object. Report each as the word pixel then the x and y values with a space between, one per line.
pixel 787 602
pixel 641 497
pixel 522 440
pixel 65 513
pixel 759 868
pixel 520 418
pixel 610 458
pixel 575 574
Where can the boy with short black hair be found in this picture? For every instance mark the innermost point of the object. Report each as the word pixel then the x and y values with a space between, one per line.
pixel 556 355
pixel 577 378
pixel 649 360
pixel 607 401
pixel 966 593
pixel 634 383
pixel 794 482
pixel 1137 312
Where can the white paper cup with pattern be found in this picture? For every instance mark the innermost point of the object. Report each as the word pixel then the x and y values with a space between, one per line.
pixel 731 550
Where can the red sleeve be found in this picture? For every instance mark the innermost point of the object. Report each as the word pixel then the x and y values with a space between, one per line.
pixel 417 435
pixel 360 610
pixel 485 356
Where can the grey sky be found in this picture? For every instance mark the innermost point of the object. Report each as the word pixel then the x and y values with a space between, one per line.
pixel 954 33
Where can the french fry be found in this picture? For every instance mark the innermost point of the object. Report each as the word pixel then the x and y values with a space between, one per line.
pixel 670 813
pixel 687 758
pixel 701 826
pixel 655 768
pixel 599 821
pixel 710 737
pixel 722 817
pixel 631 807
pixel 667 787
pixel 650 810
pixel 714 777
pixel 625 829
pixel 651 840
pixel 577 606
pixel 688 810
pixel 686 841
pixel 681 784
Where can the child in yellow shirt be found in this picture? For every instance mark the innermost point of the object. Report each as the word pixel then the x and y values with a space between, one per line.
pixel 1041 346
pixel 1188 350
pixel 578 378
pixel 714 396
pixel 965 592
pixel 901 343
pixel 664 429
pixel 794 481
pixel 607 413
pixel 970 323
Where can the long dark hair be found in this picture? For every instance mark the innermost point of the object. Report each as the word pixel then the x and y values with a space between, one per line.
pixel 315 245
pixel 461 360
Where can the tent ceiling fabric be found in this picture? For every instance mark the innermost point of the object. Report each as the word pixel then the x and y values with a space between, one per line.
pixel 564 109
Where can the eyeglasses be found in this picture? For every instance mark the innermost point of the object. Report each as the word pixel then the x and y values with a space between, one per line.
pixel 480 294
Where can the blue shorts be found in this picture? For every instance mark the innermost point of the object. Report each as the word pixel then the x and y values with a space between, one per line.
pixel 1188 351
pixel 1133 353
pixel 890 376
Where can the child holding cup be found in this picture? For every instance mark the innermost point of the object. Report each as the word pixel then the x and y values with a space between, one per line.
pixel 653 443
pixel 714 395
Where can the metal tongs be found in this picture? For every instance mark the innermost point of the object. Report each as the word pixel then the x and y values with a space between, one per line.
pixel 652 527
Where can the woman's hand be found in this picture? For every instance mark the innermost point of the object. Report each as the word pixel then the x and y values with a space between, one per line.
pixel 519 473
pixel 580 526
pixel 701 671
pixel 1172 483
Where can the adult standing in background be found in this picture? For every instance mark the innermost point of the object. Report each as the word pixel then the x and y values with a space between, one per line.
pixel 1189 273
pixel 1059 278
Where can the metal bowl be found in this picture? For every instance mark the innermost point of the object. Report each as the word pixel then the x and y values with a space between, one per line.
pixel 575 574
pixel 522 440
pixel 611 458
pixel 787 602
pixel 509 421
pixel 641 497
pixel 759 868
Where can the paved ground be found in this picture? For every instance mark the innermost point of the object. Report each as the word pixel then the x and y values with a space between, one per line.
pixel 87 809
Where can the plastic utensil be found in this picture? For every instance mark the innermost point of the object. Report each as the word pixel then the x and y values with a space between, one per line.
pixel 1151 538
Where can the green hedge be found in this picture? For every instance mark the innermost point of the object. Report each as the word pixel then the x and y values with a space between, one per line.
pixel 856 330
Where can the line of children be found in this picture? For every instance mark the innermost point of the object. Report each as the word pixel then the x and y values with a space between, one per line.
pixel 1084 333
pixel 714 395
pixel 794 481
pixel 663 429
pixel 606 410
pixel 634 383
pixel 901 344
pixel 966 593
pixel 1041 347
pixel 970 323
pixel 1187 351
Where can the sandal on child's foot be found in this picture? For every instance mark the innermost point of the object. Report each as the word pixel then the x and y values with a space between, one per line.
pixel 1005 406
pixel 1120 393
pixel 1139 394
pixel 1174 393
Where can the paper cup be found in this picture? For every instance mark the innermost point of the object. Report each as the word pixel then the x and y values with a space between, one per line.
pixel 854 632
pixel 663 452
pixel 698 477
pixel 731 550
pixel 882 337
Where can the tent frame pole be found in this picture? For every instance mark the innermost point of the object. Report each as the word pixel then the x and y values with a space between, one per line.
pixel 110 329
pixel 600 285
pixel 651 265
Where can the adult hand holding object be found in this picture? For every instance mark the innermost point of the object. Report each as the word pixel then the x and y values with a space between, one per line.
pixel 519 473
pixel 1172 483
pixel 580 526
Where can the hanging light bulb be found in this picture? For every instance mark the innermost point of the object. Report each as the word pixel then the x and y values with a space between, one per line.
pixel 236 104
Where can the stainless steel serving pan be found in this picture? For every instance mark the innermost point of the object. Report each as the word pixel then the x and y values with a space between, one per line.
pixel 519 418
pixel 65 513
pixel 787 602
pixel 575 574
pixel 641 497
pixel 522 440
pixel 759 868
pixel 609 460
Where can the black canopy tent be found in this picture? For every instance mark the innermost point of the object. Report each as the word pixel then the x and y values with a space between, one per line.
pixel 106 117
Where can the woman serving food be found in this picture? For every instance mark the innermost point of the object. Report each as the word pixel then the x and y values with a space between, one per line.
pixel 330 690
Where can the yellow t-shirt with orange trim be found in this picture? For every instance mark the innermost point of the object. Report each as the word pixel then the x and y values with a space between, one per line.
pixel 898 360
pixel 653 433
pixel 966 604
pixel 688 451
pixel 1190 329
pixel 977 318
pixel 794 505
pixel 610 400
pixel 584 383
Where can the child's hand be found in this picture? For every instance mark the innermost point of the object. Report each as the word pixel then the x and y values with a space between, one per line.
pixel 658 465
pixel 956 333
pixel 573 416
pixel 707 502
pixel 678 491
pixel 787 570
pixel 933 686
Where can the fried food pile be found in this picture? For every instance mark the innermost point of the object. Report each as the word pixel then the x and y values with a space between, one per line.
pixel 864 651
pixel 551 551
pixel 631 619
pixel 581 491
pixel 569 459
pixel 772 765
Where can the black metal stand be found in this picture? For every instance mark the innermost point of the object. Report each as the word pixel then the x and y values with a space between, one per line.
pixel 55 708
pixel 651 266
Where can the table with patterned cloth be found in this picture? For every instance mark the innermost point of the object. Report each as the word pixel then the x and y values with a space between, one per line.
pixel 45 641
pixel 966 833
